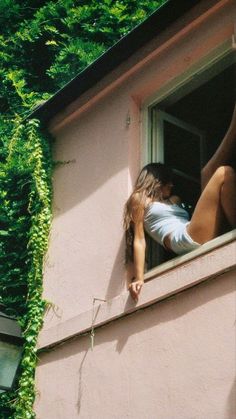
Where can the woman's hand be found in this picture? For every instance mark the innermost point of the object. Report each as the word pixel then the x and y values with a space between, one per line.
pixel 135 289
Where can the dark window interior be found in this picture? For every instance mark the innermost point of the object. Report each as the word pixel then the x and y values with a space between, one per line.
pixel 178 144
pixel 182 154
pixel 209 108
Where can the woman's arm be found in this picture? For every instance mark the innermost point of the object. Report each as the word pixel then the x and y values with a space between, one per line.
pixel 139 260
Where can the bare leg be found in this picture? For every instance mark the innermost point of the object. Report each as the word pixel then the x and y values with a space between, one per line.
pixel 223 154
pixel 218 199
pixel 228 198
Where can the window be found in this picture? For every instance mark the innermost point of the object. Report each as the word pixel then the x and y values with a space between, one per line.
pixel 187 126
pixel 182 147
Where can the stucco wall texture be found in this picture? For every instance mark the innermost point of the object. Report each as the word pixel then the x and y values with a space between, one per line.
pixel 176 359
pixel 86 254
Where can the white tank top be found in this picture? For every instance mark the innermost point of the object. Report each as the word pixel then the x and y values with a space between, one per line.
pixel 161 219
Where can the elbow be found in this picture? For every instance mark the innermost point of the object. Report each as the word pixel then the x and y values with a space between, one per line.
pixel 140 243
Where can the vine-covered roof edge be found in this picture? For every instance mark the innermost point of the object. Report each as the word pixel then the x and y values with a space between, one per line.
pixel 156 23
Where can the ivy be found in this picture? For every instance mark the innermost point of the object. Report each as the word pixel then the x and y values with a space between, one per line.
pixel 25 216
pixel 43 44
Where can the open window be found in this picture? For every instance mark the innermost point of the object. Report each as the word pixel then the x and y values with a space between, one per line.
pixel 187 126
pixel 182 146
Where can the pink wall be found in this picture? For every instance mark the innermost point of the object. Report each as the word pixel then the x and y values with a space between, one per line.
pixel 175 359
pixel 86 255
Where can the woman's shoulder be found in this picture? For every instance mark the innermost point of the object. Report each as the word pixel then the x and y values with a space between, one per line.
pixel 135 199
pixel 137 207
pixel 175 199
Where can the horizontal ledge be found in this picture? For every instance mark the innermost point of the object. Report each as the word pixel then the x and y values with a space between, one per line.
pixel 205 248
pixel 189 270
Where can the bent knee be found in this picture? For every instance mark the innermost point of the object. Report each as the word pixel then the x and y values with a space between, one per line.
pixel 223 173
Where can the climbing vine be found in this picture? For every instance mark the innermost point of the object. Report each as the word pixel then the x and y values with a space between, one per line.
pixel 44 43
pixel 25 216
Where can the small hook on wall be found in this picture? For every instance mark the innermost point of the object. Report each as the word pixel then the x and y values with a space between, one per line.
pixel 128 120
pixel 92 332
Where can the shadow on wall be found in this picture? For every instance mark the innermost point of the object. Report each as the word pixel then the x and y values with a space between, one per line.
pixel 186 301
pixel 116 285
pixel 231 404
pixel 80 388
pixel 93 183
pixel 165 311
pixel 93 150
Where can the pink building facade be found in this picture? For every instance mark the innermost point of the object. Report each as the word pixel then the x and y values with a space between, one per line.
pixel 171 355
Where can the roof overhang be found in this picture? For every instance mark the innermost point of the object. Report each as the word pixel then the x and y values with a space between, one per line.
pixel 156 23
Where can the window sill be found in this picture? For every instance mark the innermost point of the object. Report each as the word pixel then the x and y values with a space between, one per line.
pixel 205 248
pixel 211 260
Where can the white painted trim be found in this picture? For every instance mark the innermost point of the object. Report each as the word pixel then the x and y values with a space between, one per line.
pixel 157 142
pixel 145 136
pixel 206 68
pixel 181 273
pixel 205 248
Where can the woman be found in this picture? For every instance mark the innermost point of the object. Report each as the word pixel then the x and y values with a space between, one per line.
pixel 152 208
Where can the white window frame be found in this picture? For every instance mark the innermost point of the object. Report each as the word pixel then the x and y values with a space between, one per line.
pixel 205 69
pixel 157 140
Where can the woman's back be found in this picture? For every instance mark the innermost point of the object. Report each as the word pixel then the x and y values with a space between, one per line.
pixel 161 219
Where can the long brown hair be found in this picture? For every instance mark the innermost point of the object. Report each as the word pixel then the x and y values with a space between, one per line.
pixel 148 185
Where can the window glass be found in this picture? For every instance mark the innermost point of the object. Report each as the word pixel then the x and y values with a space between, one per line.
pixel 181 149
pixel 186 130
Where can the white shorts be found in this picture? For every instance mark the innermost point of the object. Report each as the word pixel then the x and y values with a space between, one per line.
pixel 181 242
